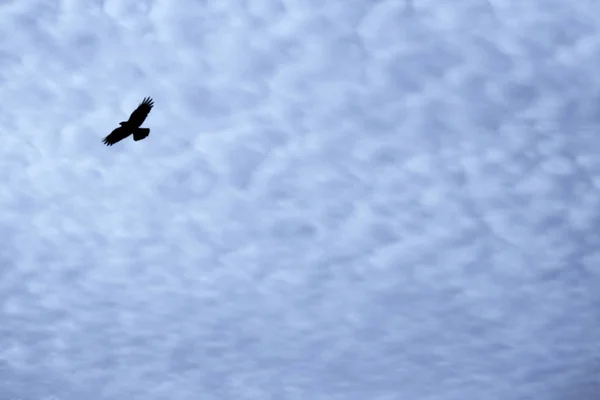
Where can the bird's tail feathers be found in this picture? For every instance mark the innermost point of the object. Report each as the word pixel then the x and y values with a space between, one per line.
pixel 140 133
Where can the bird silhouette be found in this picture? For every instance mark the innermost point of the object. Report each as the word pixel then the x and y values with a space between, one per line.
pixel 132 125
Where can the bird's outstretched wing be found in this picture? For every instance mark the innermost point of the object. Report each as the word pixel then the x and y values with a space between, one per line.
pixel 139 115
pixel 140 133
pixel 118 134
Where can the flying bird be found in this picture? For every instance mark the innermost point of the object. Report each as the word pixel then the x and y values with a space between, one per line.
pixel 132 126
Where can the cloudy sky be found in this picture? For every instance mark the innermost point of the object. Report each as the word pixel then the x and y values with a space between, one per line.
pixel 338 200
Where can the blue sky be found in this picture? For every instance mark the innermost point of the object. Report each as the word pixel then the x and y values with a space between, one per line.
pixel 350 200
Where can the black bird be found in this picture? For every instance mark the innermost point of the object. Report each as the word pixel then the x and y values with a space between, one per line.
pixel 132 125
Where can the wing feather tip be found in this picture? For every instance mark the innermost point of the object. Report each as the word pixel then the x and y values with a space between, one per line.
pixel 148 101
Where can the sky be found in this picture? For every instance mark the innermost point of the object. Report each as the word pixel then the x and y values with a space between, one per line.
pixel 338 200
